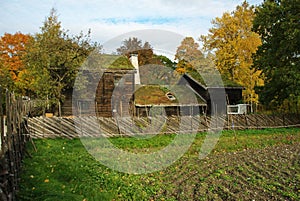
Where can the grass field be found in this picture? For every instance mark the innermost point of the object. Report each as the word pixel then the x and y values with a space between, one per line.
pixel 246 165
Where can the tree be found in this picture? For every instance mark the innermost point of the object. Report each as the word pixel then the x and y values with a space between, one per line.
pixel 184 67
pixel 5 77
pixel 233 43
pixel 132 44
pixel 12 50
pixel 188 50
pixel 165 61
pixel 278 57
pixel 188 55
pixel 54 59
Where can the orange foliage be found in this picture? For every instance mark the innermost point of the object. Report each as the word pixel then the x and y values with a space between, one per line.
pixel 12 48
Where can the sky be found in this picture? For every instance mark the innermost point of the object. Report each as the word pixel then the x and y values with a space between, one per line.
pixel 111 22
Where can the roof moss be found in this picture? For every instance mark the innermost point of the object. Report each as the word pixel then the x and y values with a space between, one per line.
pixel 97 62
pixel 116 62
pixel 120 62
pixel 212 79
pixel 157 95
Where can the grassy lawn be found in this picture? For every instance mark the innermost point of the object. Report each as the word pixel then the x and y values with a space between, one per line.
pixel 250 164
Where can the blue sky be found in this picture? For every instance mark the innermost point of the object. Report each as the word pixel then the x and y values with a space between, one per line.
pixel 109 19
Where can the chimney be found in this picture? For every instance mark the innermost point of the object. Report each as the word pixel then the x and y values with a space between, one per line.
pixel 135 62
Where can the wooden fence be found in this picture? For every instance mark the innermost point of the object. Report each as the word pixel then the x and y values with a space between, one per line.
pixel 12 144
pixel 72 127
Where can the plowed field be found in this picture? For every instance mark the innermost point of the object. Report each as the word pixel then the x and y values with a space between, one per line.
pixel 271 173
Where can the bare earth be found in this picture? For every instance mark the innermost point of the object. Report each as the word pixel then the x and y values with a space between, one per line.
pixel 272 173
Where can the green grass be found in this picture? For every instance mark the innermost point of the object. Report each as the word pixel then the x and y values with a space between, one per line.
pixel 136 144
pixel 256 139
pixel 62 169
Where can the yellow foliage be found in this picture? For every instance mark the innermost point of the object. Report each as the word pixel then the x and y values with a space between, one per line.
pixel 234 43
pixel 181 70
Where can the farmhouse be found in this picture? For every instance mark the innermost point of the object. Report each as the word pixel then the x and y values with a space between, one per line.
pixel 145 87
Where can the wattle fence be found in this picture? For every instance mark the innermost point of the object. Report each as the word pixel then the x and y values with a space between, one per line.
pixel 14 136
pixel 72 127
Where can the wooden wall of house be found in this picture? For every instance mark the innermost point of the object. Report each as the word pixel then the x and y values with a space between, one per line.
pixel 233 94
pixel 114 93
pixel 83 102
pixel 107 97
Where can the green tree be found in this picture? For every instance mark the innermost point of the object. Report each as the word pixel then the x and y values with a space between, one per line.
pixel 233 42
pixel 277 22
pixel 132 44
pixel 54 59
pixel 165 61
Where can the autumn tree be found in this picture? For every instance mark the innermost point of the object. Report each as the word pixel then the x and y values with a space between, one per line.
pixel 132 44
pixel 233 42
pixel 54 59
pixel 278 57
pixel 188 55
pixel 12 50
pixel 188 50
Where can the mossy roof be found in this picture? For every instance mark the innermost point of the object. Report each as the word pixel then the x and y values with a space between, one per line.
pixel 155 95
pixel 117 62
pixel 97 62
pixel 212 80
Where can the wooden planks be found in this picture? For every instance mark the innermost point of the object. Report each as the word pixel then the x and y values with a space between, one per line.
pixel 92 126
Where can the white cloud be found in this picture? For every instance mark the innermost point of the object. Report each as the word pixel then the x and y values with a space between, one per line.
pixel 111 18
pixel 108 19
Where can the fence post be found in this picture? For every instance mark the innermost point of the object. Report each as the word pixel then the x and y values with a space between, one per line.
pixel 247 123
pixel 9 140
pixel 1 122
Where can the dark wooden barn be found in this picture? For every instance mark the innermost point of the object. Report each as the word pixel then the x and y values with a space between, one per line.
pixel 233 94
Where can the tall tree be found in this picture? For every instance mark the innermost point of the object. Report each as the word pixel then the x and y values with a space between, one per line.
pixel 188 55
pixel 54 59
pixel 233 42
pixel 12 50
pixel 188 50
pixel 277 21
pixel 132 44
